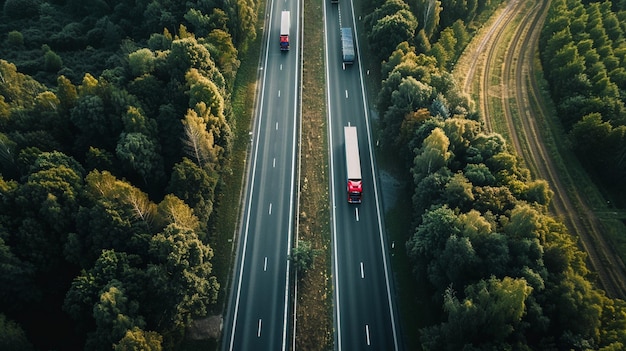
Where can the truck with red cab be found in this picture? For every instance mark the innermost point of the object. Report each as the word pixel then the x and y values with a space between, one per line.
pixel 353 165
pixel 284 30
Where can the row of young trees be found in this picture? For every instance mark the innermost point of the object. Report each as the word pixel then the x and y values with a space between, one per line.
pixel 110 160
pixel 583 51
pixel 506 275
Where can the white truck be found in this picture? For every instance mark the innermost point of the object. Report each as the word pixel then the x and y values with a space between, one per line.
pixel 353 165
pixel 284 30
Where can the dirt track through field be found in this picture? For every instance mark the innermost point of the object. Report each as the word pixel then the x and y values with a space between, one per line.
pixel 498 70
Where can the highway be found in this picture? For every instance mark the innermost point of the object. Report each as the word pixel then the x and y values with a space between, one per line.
pixel 257 313
pixel 363 312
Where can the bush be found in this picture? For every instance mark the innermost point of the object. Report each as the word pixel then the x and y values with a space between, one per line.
pixel 15 38
pixel 52 61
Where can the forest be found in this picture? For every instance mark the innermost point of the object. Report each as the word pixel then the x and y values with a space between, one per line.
pixel 504 273
pixel 583 52
pixel 115 131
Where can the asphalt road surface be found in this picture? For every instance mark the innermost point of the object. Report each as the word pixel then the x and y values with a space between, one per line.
pixel 364 312
pixel 257 314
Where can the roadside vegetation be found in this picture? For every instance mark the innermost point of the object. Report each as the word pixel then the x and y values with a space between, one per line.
pixel 314 318
pixel 481 241
pixel 117 133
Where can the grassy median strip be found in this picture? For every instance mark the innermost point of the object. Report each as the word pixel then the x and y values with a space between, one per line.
pixel 314 310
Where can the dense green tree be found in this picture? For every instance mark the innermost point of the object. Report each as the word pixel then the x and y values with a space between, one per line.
pixel 390 31
pixel 589 135
pixel 448 43
pixel 203 90
pixel 170 133
pixel 114 314
pixel 461 133
pixel 111 269
pixel 141 62
pixel 614 322
pixel 17 278
pixel 187 53
pixel 434 154
pixel 141 154
pixel 242 19
pixel 123 118
pixel 429 15
pixel 156 17
pixel 52 61
pixel 410 124
pixel 180 277
pixel 496 199
pixel 458 192
pixel 303 257
pixel 48 201
pixel 429 240
pixel 409 96
pixel 89 116
pixel 199 142
pixel 173 210
pixel 479 174
pixel 387 8
pixel 67 93
pixel 150 90
pixel 491 311
pixel 201 22
pixel 576 308
pixel 222 49
pixel 117 216
pixel 19 90
pixel 21 8
pixel 461 35
pixel 15 38
pixel 138 339
pixel 12 336
pixel 195 186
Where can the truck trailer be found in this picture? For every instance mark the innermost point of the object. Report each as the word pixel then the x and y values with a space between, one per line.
pixel 353 165
pixel 284 30
pixel 347 46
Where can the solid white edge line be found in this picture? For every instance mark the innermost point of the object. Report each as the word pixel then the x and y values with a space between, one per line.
pixel 296 108
pixel 375 182
pixel 333 203
pixel 254 161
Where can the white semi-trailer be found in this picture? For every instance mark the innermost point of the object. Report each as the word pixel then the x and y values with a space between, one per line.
pixel 353 165
pixel 284 30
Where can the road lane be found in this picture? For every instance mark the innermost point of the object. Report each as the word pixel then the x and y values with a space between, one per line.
pixel 364 316
pixel 256 317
